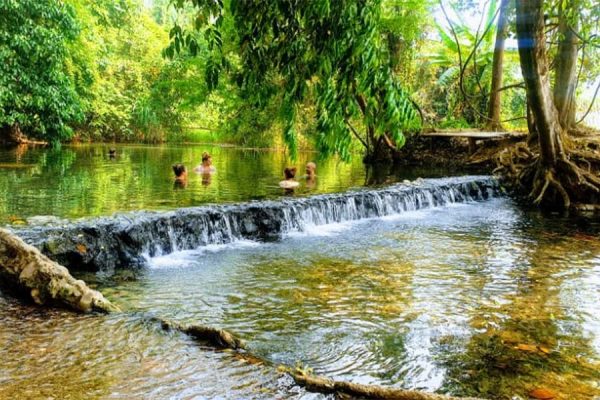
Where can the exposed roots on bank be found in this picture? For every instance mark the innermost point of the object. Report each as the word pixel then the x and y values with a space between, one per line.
pixel 572 183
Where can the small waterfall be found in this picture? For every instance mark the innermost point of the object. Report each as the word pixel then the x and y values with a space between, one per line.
pixel 122 240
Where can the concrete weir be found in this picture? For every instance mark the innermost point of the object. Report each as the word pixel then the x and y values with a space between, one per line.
pixel 125 240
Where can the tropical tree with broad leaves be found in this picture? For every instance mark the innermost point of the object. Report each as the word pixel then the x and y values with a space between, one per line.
pixel 37 93
pixel 333 52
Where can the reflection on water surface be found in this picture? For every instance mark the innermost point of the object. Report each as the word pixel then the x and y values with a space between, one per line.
pixel 81 181
pixel 478 299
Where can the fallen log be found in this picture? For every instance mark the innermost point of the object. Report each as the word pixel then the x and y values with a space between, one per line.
pixel 218 338
pixel 325 385
pixel 24 269
pixel 222 339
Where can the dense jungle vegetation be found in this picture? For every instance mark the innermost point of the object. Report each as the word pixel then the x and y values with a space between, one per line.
pixel 342 77
pixel 107 70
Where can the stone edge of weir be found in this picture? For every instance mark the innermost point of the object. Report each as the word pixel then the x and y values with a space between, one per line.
pixel 126 240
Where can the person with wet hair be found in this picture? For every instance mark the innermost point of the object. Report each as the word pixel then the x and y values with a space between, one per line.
pixel 206 167
pixel 180 175
pixel 112 152
pixel 289 182
pixel 311 170
pixel 311 175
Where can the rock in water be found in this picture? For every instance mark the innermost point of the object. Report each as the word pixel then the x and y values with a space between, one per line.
pixel 24 268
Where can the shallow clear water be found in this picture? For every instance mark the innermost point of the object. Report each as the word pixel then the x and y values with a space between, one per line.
pixel 475 299
pixel 81 181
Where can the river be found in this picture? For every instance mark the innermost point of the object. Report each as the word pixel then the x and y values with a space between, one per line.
pixel 470 298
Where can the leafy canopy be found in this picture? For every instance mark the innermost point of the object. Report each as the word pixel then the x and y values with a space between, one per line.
pixel 36 91
pixel 331 51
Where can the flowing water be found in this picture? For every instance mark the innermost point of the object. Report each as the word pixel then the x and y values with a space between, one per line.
pixel 467 298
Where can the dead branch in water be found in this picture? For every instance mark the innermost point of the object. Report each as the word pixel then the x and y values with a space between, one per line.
pixel 218 338
pixel 26 269
pixel 325 385
pixel 222 339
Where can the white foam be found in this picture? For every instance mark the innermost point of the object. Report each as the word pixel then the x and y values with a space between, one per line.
pixel 188 258
pixel 417 214
pixel 326 229
pixel 339 227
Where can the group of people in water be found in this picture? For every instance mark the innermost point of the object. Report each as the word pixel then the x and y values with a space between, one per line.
pixel 290 182
pixel 206 169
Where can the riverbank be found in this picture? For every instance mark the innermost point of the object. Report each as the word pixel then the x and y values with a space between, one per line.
pixel 453 152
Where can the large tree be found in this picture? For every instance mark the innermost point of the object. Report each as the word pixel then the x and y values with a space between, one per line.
pixel 494 105
pixel 37 94
pixel 329 51
pixel 566 62
pixel 553 175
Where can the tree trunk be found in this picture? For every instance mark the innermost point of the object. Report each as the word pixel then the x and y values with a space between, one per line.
pixel 534 66
pixel 498 62
pixel 377 150
pixel 12 135
pixel 394 44
pixel 555 178
pixel 566 64
pixel 24 269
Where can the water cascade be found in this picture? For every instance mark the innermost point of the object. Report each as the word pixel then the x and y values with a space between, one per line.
pixel 125 240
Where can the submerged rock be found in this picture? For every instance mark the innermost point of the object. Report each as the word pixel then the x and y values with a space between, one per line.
pixel 24 269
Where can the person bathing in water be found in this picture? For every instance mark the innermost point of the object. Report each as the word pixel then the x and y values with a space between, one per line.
pixel 289 182
pixel 311 175
pixel 311 170
pixel 206 167
pixel 180 175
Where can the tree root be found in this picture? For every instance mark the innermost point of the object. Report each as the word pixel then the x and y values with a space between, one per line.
pixel 589 156
pixel 24 269
pixel 325 385
pixel 573 180
pixel 218 338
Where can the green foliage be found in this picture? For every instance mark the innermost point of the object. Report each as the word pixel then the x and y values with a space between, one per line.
pixel 405 24
pixel 449 103
pixel 329 51
pixel 119 49
pixel 37 90
pixel 475 50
